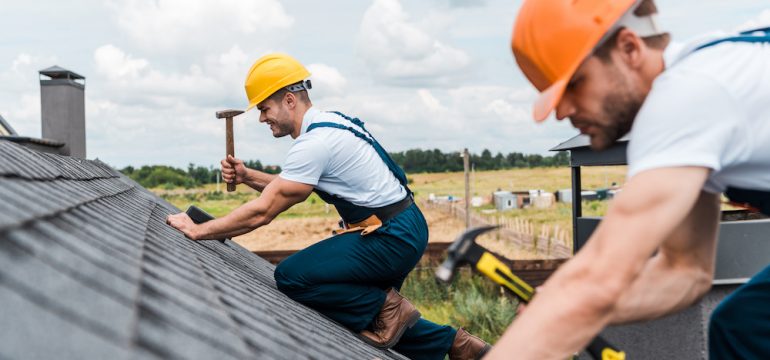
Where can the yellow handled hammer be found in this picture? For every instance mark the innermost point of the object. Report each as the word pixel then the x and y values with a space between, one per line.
pixel 465 250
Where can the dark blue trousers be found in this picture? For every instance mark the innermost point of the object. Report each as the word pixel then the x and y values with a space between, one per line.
pixel 740 325
pixel 345 278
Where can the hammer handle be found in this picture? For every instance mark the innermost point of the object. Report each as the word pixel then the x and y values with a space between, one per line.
pixel 230 146
pixel 490 266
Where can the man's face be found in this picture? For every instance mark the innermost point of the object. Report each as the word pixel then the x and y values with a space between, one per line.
pixel 276 114
pixel 601 101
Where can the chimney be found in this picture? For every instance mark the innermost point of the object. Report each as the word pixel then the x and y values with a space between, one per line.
pixel 62 98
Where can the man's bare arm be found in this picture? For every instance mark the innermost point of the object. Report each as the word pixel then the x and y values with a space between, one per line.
pixel 580 298
pixel 258 180
pixel 277 196
pixel 680 272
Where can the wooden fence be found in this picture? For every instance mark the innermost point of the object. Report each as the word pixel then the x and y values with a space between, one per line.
pixel 550 242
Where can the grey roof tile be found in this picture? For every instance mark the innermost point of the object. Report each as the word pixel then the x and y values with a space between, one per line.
pixel 89 269
pixel 61 289
pixel 22 162
pixel 51 335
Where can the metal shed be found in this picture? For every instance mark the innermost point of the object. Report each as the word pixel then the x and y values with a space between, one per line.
pixel 505 200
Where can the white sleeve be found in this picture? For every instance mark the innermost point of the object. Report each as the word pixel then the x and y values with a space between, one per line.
pixel 688 119
pixel 307 160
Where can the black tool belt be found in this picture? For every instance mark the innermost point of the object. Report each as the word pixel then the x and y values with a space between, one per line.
pixel 388 212
pixel 381 214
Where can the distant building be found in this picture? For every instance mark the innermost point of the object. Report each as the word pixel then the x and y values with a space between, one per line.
pixel 505 200
pixel 543 200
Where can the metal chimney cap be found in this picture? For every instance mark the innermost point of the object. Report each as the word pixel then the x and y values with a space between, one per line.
pixel 57 72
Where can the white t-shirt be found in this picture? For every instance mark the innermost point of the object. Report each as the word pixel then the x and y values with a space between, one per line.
pixel 339 163
pixel 709 108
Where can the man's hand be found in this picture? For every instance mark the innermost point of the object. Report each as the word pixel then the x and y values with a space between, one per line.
pixel 233 170
pixel 183 223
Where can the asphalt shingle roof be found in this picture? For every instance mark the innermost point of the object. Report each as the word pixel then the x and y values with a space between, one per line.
pixel 89 269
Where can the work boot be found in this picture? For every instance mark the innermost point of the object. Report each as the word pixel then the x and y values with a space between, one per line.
pixel 468 347
pixel 397 315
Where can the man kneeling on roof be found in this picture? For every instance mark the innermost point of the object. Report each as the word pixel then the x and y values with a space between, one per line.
pixel 352 277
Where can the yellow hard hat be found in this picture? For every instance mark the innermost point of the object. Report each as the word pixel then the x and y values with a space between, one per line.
pixel 270 73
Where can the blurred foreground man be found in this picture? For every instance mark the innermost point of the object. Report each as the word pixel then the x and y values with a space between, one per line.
pixel 353 276
pixel 699 122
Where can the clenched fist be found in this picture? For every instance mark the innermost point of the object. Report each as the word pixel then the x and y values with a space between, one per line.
pixel 233 170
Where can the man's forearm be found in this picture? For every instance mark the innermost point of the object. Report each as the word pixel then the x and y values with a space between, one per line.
pixel 258 180
pixel 278 196
pixel 662 288
pixel 682 270
pixel 242 220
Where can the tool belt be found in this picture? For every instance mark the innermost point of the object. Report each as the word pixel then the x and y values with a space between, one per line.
pixel 374 222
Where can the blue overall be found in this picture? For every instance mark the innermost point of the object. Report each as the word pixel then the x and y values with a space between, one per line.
pixel 345 276
pixel 740 325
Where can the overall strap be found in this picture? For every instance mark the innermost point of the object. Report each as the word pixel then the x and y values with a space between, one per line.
pixel 367 136
pixel 749 36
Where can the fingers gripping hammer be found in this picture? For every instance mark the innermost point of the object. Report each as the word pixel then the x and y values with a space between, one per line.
pixel 228 115
pixel 465 250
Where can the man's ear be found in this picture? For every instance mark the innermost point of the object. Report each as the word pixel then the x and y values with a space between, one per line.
pixel 630 48
pixel 290 99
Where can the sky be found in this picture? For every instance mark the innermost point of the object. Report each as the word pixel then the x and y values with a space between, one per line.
pixel 421 74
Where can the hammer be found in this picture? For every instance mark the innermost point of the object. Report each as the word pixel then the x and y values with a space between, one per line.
pixel 465 250
pixel 230 145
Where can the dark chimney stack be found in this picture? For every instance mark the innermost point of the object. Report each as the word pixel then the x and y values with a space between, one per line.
pixel 62 98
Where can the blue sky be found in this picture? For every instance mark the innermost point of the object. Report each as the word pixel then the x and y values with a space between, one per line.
pixel 422 74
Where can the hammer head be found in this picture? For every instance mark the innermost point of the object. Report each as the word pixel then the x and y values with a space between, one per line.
pixel 463 250
pixel 228 113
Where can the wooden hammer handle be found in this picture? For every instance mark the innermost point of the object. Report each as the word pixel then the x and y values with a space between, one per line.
pixel 230 147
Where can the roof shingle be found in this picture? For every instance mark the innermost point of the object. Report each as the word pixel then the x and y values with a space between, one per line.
pixel 89 269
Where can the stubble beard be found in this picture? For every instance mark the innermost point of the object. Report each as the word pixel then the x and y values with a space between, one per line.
pixel 619 109
pixel 283 127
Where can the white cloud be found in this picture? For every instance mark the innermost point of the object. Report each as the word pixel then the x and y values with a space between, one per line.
pixel 327 81
pixel 133 80
pixel 20 92
pixel 116 64
pixel 430 102
pixel 400 50
pixel 762 20
pixel 21 60
pixel 171 25
pixel 498 118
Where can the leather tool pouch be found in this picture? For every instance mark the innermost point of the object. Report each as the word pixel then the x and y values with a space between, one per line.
pixel 368 226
